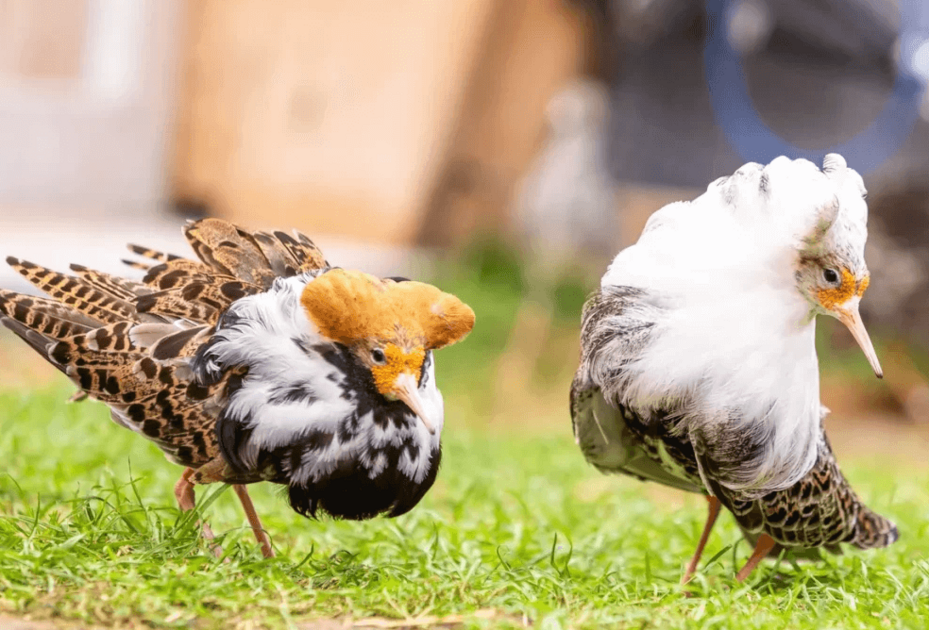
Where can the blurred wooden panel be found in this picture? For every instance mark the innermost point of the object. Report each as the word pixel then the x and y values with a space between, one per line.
pixel 328 116
pixel 42 39
pixel 535 48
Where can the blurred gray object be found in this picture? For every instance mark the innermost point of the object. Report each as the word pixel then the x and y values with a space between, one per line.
pixel 898 257
pixel 567 204
pixel 819 72
pixel 566 218
pixel 862 29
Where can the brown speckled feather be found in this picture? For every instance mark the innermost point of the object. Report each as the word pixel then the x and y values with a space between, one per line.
pixel 233 263
pixel 303 250
pixel 230 251
pixel 151 254
pixel 201 299
pixel 47 317
pixel 279 258
pixel 820 510
pixel 120 288
pixel 177 273
pixel 75 293
pixel 128 344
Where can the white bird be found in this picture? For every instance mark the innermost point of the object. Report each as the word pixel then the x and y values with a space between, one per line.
pixel 698 365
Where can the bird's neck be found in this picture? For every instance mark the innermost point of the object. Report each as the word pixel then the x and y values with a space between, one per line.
pixel 749 359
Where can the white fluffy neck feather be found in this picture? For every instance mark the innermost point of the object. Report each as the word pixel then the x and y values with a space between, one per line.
pixel 734 346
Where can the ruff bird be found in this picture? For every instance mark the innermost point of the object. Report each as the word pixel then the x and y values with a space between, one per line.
pixel 698 367
pixel 258 362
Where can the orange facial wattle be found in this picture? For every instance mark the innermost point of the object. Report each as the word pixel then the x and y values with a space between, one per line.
pixel 863 285
pixel 396 363
pixel 833 297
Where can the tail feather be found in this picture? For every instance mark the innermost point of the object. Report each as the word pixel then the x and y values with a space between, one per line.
pixel 227 251
pixel 230 250
pixel 308 255
pixel 232 263
pixel 41 322
pixel 279 258
pixel 111 377
pixel 75 293
pixel 177 273
pixel 152 254
pixel 874 531
pixel 106 339
pixel 200 301
pixel 120 288
pixel 172 304
pixel 135 264
pixel 28 310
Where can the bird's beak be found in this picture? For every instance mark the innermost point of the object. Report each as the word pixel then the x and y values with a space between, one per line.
pixel 848 315
pixel 406 390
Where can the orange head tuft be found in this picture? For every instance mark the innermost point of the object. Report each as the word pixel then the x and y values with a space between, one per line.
pixel 350 307
pixel 389 327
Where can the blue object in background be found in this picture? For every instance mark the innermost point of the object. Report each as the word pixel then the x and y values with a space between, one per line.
pixel 755 141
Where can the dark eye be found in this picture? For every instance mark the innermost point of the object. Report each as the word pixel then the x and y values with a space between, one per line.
pixel 377 355
pixel 830 276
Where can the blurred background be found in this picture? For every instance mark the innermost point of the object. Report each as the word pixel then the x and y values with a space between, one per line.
pixel 505 149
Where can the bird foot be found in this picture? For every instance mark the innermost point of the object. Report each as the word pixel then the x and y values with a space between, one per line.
pixel 762 548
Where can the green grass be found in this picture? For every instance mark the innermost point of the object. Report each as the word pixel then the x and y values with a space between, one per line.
pixel 517 524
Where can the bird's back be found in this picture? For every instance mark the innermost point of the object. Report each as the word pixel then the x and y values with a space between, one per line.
pixel 129 344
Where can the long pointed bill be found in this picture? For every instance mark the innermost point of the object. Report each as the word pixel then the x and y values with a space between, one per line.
pixel 406 390
pixel 850 317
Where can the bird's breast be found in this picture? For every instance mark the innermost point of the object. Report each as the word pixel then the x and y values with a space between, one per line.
pixel 363 482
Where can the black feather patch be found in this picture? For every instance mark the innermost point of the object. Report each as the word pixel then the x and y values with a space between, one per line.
pixel 170 347
pixel 351 493
pixel 291 393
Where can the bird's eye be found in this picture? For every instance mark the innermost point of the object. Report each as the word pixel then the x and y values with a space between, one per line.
pixel 377 355
pixel 830 276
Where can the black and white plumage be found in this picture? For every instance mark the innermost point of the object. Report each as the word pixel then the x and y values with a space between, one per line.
pixel 309 415
pixel 698 366
pixel 258 362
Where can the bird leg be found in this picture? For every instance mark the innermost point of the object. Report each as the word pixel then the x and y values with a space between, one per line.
pixel 762 548
pixel 186 499
pixel 260 535
pixel 710 521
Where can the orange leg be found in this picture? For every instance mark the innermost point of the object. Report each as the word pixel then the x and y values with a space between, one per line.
pixel 762 548
pixel 710 521
pixel 260 535
pixel 184 493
